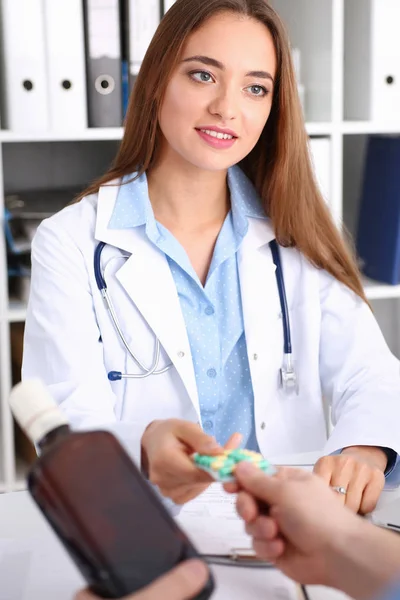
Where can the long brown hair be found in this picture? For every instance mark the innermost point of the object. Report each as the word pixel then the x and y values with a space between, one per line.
pixel 279 165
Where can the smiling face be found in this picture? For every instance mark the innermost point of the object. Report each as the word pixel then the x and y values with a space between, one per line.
pixel 219 97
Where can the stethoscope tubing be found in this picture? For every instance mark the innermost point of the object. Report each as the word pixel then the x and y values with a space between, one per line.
pixel 287 371
pixel 287 341
pixel 117 375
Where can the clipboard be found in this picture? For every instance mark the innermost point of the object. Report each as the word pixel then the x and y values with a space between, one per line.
pixel 245 557
pixel 239 557
pixel 388 526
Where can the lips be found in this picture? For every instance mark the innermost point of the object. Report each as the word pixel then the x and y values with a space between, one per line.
pixel 218 133
pixel 218 139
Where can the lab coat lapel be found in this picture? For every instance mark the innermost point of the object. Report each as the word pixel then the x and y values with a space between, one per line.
pixel 261 312
pixel 147 279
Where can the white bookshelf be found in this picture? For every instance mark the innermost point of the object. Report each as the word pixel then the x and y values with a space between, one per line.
pixel 90 134
pixel 379 291
pixel 317 28
pixel 369 128
pixel 16 312
pixel 323 128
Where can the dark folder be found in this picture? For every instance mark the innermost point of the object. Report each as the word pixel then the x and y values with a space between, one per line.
pixel 378 235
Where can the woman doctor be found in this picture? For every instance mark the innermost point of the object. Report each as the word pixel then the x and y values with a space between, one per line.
pixel 213 166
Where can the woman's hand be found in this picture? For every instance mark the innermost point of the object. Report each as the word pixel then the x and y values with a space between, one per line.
pixel 360 471
pixel 166 449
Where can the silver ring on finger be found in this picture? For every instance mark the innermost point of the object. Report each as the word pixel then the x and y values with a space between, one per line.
pixel 339 489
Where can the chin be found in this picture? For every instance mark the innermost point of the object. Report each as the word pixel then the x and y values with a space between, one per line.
pixel 214 168
pixel 212 163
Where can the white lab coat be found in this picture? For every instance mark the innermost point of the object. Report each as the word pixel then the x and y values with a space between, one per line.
pixel 70 342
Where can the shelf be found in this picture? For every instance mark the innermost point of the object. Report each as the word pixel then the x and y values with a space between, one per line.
pixel 319 128
pixel 19 484
pixel 322 128
pixel 380 291
pixel 16 312
pixel 94 133
pixel 369 127
pixel 109 133
pixel 22 469
pixel 374 291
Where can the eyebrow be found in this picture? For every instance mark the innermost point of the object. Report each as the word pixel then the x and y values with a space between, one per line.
pixel 212 62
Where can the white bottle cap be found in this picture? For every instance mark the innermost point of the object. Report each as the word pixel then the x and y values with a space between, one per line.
pixel 35 410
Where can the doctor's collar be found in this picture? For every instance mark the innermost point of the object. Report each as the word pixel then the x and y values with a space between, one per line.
pixel 245 201
pixel 133 207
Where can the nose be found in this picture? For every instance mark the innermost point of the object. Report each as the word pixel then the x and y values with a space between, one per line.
pixel 224 105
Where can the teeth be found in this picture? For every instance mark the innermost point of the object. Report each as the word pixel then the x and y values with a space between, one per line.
pixel 220 136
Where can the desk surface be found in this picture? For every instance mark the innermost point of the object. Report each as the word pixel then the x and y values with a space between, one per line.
pixel 34 565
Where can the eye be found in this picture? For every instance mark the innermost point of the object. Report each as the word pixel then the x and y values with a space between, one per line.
pixel 201 76
pixel 258 90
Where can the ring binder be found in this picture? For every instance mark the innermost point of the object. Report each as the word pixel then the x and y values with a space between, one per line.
pixel 103 60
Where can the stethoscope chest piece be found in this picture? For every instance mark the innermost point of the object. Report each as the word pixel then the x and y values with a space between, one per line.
pixel 288 377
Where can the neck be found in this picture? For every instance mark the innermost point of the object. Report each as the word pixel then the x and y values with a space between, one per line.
pixel 187 197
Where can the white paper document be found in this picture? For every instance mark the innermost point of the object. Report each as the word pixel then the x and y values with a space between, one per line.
pixel 212 522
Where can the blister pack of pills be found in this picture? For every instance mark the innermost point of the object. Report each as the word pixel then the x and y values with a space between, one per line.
pixel 222 467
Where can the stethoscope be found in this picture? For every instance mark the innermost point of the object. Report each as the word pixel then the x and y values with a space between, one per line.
pixel 288 377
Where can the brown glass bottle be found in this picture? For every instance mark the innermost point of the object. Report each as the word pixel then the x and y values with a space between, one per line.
pixel 108 517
